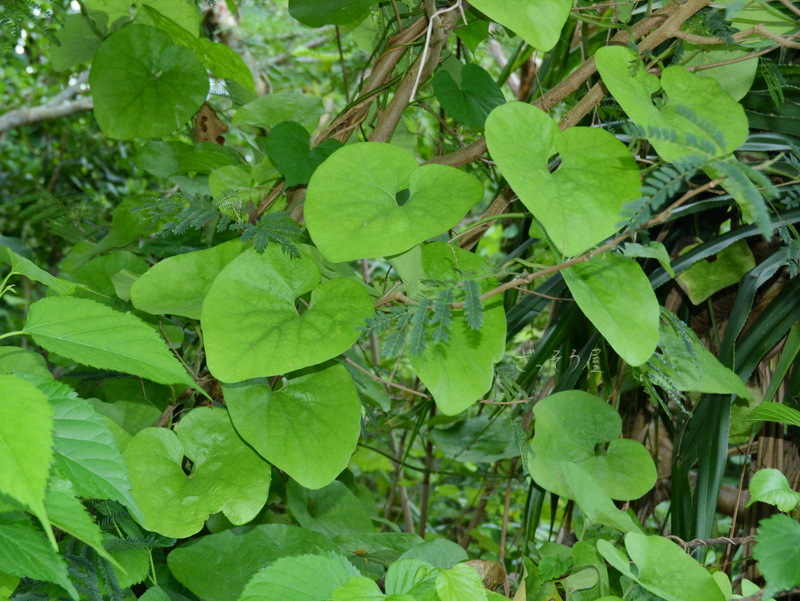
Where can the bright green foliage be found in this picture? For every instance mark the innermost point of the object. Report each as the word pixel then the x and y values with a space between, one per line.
pixel 470 97
pixel 30 270
pixel 92 334
pixel 771 486
pixel 596 507
pixel 289 148
pixel 358 589
pixel 13 359
pixel 178 285
pixel 67 513
pixel 628 322
pixel 538 23
pixel 579 205
pixel 372 200
pixel 303 578
pixel 269 111
pixel 143 85
pixel 404 574
pixel 218 58
pixel 316 13
pixel 577 427
pixel 664 568
pixel 25 552
pixel 333 510
pixel 218 566
pixel 460 370
pixel 687 365
pixel 182 13
pixel 26 441
pixel 777 550
pixel 776 412
pixel 309 428
pixel 253 328
pixel 698 117
pixel 460 583
pixel 704 278
pixel 174 504
pixel 155 593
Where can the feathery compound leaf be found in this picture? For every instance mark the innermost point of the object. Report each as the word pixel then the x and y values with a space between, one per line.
pixel 741 181
pixel 417 335
pixel 442 316
pixel 473 307
pixel 97 336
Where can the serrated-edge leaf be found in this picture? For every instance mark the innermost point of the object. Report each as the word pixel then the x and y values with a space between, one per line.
pixel 95 335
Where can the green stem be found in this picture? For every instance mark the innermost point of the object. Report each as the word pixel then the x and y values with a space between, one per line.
pixel 9 334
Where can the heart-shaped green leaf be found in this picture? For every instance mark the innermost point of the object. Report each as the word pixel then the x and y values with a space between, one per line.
pixel 252 326
pixel 539 23
pixel 289 148
pixel 309 428
pixel 577 427
pixel 143 86
pixel 460 370
pixel 668 572
pixel 697 118
pixel 628 321
pixel 178 285
pixel 579 204
pixel 471 98
pixel 177 505
pixel 373 200
pixel 769 485
pixel 268 111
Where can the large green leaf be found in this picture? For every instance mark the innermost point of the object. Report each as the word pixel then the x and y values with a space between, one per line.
pixel 289 148
pixel 359 588
pixel 477 439
pixel 84 449
pixel 726 268
pixel 268 111
pixel 332 510
pixel 769 485
pixel 176 505
pixel 470 98
pixel 26 441
pixel 538 23
pixel 703 117
pixel 218 58
pixel 629 321
pixel 372 200
pixel 217 567
pixel 143 86
pixel 67 513
pixel 316 13
pixel 303 578
pixel 25 552
pixel 178 285
pixel 95 335
pixel 309 428
pixel 15 359
pixel 460 370
pixel 596 507
pixel 183 13
pixel 30 270
pixel 694 368
pixel 579 204
pixel 577 427
pixel 777 550
pixel 252 328
pixel 460 583
pixel 667 571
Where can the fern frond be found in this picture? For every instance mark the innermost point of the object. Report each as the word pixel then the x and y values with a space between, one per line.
pixel 473 307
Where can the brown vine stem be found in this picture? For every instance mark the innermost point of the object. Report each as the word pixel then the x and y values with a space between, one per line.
pixel 266 203
pixel 528 278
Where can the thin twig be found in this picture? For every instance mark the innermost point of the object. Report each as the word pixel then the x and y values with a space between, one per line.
pixel 384 381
